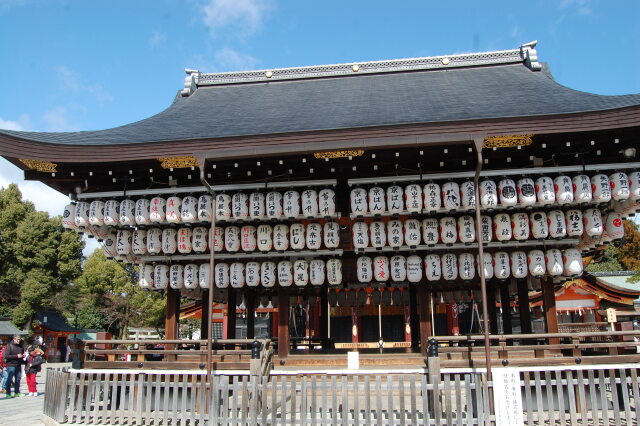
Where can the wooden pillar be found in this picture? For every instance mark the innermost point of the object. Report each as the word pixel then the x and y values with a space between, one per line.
pixel 523 306
pixel 171 320
pixel 323 318
pixel 205 317
pixel 549 304
pixel 230 315
pixel 414 320
pixel 505 302
pixel 283 322
pixel 491 307
pixel 251 314
pixel 424 313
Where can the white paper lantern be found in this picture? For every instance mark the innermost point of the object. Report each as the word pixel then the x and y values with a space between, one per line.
pixel 466 266
pixel 520 226
pixel 430 231
pixel 364 269
pixel 398 268
pixel 146 276
pixel 501 267
pixel 285 273
pixel 449 263
pixel 154 241
pixel 544 190
pixel 314 236
pixel 381 268
pixel 327 202
pixel 127 212
pixel 466 229
pixel 223 206
pixel 69 217
pixel 268 274
pixel 486 228
pixel 160 277
pixel 112 212
pixel 123 242
pixel 189 210
pixel 557 224
pixel 432 197
pixel 526 192
pixel 191 276
pixel 582 192
pixel 563 189
pixel 487 264
pixel 176 277
pixel 300 273
pixel 468 195
pixel 536 263
pixel 309 200
pixel 265 238
pixel 593 226
pixel 600 186
pixel 142 214
pixel 222 275
pixel 252 274
pixel 169 241
pixel 96 213
pixel 199 239
pixel 218 239
pixel 451 196
pixel 232 239
pixel 555 266
pixel 248 238
pixel 139 242
pixel 619 184
pixel 502 227
pixel 236 275
pixel 572 263
pixel 433 267
pixel 395 233
pixel 360 235
pixel 613 227
pixel 413 198
pixel 291 204
pixel 334 271
pixel 448 230
pixel 573 219
pixel 109 245
pixel 274 205
pixel 519 264
pixel 414 269
pixel 184 240
pixel 174 209
pixel 205 208
pixel 539 225
pixel 378 235
pixel 488 194
pixel 257 209
pixel 634 186
pixel 297 236
pixel 240 205
pixel 395 199
pixel 376 200
pixel 100 232
pixel 82 214
pixel 507 192
pixel 331 233
pixel 158 210
pixel 281 237
pixel 358 198
pixel 412 232
pixel 316 272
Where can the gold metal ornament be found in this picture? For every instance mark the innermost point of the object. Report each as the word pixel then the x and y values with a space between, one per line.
pixel 507 141
pixel 178 162
pixel 339 154
pixel 39 166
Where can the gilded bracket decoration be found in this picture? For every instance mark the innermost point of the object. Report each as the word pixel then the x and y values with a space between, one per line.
pixel 339 154
pixel 39 166
pixel 507 141
pixel 178 162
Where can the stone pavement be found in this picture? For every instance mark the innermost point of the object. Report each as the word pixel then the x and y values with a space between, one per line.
pixel 27 410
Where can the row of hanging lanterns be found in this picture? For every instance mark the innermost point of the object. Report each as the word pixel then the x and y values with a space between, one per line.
pixel 501 227
pixel 465 266
pixel 526 192
pixel 238 274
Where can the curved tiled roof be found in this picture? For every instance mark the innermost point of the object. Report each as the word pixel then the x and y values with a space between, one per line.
pixel 482 91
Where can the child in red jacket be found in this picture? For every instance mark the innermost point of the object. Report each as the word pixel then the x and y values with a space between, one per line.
pixel 34 365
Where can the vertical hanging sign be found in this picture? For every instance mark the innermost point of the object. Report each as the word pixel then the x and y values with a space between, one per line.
pixel 507 397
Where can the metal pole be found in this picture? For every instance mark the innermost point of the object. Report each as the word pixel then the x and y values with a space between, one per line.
pixel 477 142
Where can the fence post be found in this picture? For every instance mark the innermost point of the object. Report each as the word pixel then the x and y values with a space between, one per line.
pixel 433 367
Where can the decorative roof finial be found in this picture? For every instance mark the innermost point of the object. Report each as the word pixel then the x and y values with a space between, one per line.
pixel 530 55
pixel 190 82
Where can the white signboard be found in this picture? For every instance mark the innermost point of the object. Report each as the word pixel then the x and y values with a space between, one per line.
pixel 507 397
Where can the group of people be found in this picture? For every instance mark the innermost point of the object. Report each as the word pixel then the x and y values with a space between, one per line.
pixel 13 358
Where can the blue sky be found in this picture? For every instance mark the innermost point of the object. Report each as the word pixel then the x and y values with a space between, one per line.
pixel 70 65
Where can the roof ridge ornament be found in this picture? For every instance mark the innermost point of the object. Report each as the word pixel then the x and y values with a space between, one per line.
pixel 190 82
pixel 530 55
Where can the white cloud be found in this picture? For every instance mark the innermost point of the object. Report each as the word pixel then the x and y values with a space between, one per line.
pixel 229 59
pixel 157 38
pixel 57 120
pixel 244 16
pixel 73 82
pixel 21 124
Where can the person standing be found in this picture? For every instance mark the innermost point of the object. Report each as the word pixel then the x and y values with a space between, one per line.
pixel 34 365
pixel 13 357
pixel 3 369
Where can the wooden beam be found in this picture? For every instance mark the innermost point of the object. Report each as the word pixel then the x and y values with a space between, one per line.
pixel 424 302
pixel 323 318
pixel 205 316
pixel 251 314
pixel 549 304
pixel 505 303
pixel 523 306
pixel 172 318
pixel 230 314
pixel 283 323
pixel 491 307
